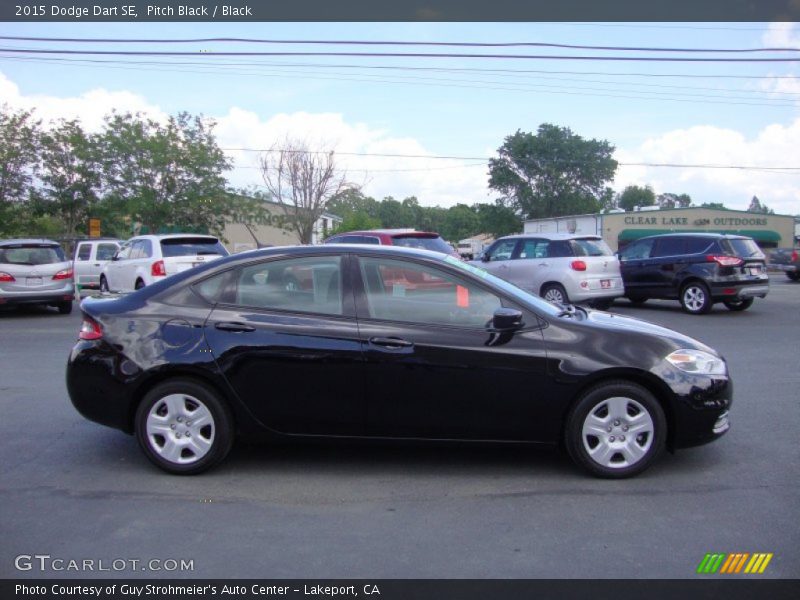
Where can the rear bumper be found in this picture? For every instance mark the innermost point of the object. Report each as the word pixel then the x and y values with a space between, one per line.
pixel 66 294
pixel 734 291
pixel 591 288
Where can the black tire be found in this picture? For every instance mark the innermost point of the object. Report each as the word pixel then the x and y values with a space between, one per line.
pixel 695 298
pixel 738 305
pixel 794 276
pixel 104 289
pixel 138 285
pixel 602 304
pixel 213 437
pixel 556 292
pixel 64 308
pixel 617 457
pixel 638 300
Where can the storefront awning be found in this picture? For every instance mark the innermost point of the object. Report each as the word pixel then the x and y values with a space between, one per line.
pixel 759 235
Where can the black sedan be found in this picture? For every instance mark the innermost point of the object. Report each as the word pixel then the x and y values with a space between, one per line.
pixel 381 342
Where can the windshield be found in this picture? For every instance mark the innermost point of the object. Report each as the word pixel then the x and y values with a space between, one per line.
pixel 591 247
pixel 31 254
pixel 745 248
pixel 509 288
pixel 172 247
pixel 437 244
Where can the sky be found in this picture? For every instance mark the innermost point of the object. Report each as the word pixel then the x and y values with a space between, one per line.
pixel 442 118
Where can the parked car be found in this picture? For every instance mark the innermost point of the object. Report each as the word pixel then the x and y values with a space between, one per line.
pixel 786 260
pixel 237 347
pixel 89 260
pixel 559 267
pixel 697 269
pixel 35 271
pixel 470 248
pixel 407 238
pixel 146 259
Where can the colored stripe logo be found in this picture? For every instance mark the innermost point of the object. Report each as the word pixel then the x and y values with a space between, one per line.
pixel 738 562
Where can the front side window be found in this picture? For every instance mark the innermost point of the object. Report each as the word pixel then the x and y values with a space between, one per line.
pixel 671 246
pixel 312 284
pixel 534 249
pixel 399 290
pixel 502 250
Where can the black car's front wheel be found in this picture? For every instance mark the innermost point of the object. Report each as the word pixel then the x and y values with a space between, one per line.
pixel 696 298
pixel 184 427
pixel 737 305
pixel 616 430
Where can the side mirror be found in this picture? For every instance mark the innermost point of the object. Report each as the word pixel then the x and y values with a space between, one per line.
pixel 507 319
pixel 485 257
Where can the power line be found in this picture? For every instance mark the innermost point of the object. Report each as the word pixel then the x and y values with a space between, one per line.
pixel 392 43
pixel 407 55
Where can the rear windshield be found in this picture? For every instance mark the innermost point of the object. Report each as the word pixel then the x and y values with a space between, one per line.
pixel 437 244
pixel 171 247
pixel 743 248
pixel 31 254
pixel 590 247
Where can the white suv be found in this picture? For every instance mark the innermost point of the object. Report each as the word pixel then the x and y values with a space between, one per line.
pixel 148 258
pixel 559 267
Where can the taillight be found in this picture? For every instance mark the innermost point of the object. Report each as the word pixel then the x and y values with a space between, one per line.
pixel 578 265
pixel 6 277
pixel 65 274
pixel 725 261
pixel 90 330
pixel 158 269
pixel 794 255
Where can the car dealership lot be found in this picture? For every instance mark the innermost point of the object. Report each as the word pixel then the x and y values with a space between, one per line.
pixel 75 490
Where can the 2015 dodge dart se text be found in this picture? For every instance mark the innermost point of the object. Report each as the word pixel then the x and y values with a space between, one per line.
pixel 381 342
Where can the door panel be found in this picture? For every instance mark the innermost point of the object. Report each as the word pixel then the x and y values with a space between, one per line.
pixel 299 371
pixel 433 370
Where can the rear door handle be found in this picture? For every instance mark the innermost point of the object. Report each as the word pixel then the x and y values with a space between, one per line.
pixel 234 326
pixel 390 342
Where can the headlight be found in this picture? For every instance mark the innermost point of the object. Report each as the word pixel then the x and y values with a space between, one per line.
pixel 697 361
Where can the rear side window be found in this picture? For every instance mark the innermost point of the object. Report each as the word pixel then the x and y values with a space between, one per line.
pixel 743 248
pixel 698 245
pixel 637 250
pixel 535 249
pixel 172 247
pixel 672 246
pixel 105 251
pixel 437 244
pixel 590 247
pixel 31 254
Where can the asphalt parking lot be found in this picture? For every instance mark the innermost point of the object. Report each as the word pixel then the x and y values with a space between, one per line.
pixel 75 490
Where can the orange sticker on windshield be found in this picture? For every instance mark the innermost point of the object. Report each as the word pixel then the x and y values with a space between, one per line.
pixel 462 296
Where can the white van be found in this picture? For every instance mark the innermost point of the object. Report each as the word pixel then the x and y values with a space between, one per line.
pixel 90 258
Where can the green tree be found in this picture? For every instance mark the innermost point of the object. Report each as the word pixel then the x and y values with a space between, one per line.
pixel 166 175
pixel 460 222
pixel 633 196
pixel 757 207
pixel 71 176
pixel 670 200
pixel 497 219
pixel 352 200
pixel 19 156
pixel 357 221
pixel 552 173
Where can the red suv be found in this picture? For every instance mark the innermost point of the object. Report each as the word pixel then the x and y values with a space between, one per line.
pixel 408 238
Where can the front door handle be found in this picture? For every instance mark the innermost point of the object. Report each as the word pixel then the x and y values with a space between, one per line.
pixel 234 326
pixel 390 342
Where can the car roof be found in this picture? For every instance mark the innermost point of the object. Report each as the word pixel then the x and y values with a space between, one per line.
pixel 390 232
pixel 28 241
pixel 552 236
pixel 167 236
pixel 699 234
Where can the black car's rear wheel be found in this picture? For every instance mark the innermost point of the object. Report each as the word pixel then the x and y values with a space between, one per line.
pixel 616 430
pixel 637 300
pixel 737 305
pixel 184 427
pixel 794 276
pixel 65 308
pixel 696 298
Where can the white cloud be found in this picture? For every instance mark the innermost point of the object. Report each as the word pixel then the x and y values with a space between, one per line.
pixel 780 35
pixel 90 107
pixel 774 146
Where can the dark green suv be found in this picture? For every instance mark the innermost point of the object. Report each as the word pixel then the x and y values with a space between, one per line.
pixel 697 269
